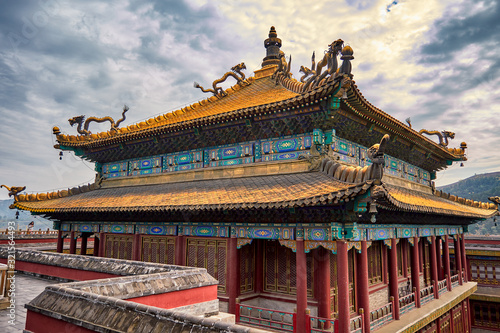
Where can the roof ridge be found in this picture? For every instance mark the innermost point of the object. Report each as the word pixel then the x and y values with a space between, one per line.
pixel 453 198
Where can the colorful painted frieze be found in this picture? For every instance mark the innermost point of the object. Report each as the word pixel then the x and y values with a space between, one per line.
pixel 114 170
pixel 118 228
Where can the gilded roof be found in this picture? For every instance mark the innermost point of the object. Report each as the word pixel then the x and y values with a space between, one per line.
pixel 357 103
pixel 413 201
pixel 253 92
pixel 264 191
pixel 276 191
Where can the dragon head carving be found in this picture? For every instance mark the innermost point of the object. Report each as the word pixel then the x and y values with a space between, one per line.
pixel 76 120
pixel 336 46
pixel 14 190
pixel 376 155
pixel 376 152
pixel 238 68
pixel 448 134
pixel 495 200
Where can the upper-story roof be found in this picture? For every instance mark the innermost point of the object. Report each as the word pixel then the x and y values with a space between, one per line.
pixel 272 94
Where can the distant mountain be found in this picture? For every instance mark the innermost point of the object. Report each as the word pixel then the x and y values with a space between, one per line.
pixel 7 214
pixel 478 187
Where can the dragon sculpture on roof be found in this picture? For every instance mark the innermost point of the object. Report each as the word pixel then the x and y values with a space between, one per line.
pixel 14 190
pixel 443 136
pixel 236 72
pixel 85 131
pixel 314 75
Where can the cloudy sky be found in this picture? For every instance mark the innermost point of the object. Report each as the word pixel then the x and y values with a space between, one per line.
pixel 434 61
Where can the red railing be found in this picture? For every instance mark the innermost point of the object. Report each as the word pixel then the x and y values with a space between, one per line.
pixel 321 325
pixel 442 286
pixel 426 294
pixel 454 281
pixel 382 315
pixel 266 318
pixel 406 303
pixel 357 324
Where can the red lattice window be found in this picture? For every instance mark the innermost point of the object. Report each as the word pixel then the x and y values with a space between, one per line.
pixel 374 254
pixel 154 249
pixel 119 246
pixel 209 254
pixel 333 284
pixel 280 274
pixel 352 296
pixel 247 264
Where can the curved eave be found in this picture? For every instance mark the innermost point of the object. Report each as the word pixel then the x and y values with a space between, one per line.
pixel 259 192
pixel 365 110
pixel 305 99
pixel 399 199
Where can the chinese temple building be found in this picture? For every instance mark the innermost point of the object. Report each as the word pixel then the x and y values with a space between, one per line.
pixel 295 194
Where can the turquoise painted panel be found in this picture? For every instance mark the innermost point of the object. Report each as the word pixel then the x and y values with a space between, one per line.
pixel 284 156
pixel 114 170
pixel 286 144
pixel 87 227
pixel 235 161
pixel 184 167
pixel 145 164
pixel 229 152
pixel 182 158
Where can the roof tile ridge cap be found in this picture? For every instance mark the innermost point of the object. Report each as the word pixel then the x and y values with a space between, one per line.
pixel 179 112
pixel 403 205
pixel 455 198
pixel 45 196
pixel 359 94
pixel 291 84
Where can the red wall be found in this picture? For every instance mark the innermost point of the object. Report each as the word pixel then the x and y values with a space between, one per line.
pixel 39 323
pixel 178 298
pixel 61 272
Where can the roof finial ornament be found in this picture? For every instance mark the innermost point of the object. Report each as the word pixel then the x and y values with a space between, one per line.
pixel 315 75
pixel 272 45
pixel 408 121
pixel 347 56
pixel 236 72
pixel 376 155
pixel 85 131
pixel 443 136
pixel 14 190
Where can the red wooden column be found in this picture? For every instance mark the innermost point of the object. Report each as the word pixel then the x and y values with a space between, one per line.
pixel 415 272
pixel 322 277
pixel 439 259
pixel 446 261
pixel 136 247
pixel 180 250
pixel 393 276
pixel 97 243
pixel 363 294
pixel 102 244
pixel 421 256
pixel 465 266
pixel 60 242
pixel 458 258
pixel 301 277
pixel 434 271
pixel 259 265
pixel 343 286
pixel 72 244
pixel 83 245
pixel 232 281
pixel 404 255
